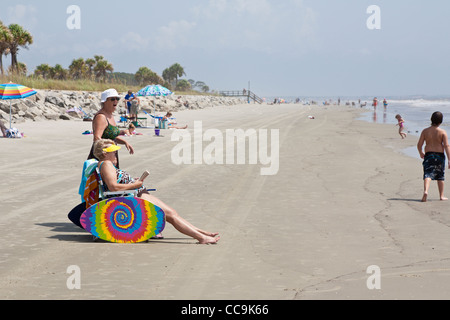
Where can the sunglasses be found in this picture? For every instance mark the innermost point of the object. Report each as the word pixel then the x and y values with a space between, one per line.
pixel 114 99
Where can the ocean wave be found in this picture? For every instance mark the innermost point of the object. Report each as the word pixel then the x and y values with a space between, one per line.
pixel 423 103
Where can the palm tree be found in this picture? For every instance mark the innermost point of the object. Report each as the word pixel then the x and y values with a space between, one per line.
pixel 59 72
pixel 177 71
pixel 43 70
pixel 141 74
pixel 5 39
pixel 168 75
pixel 90 63
pixel 20 38
pixel 183 85
pixel 101 68
pixel 20 70
pixel 77 68
pixel 199 85
pixel 98 58
pixel 145 75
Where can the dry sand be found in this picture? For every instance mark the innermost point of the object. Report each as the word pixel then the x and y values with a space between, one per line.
pixel 345 198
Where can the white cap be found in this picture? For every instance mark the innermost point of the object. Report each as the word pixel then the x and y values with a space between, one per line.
pixel 109 94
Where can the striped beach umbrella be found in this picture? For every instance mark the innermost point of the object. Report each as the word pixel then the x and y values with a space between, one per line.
pixel 10 91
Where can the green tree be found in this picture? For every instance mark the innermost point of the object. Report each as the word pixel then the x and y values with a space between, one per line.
pixel 177 71
pixel 146 76
pixel 183 85
pixel 5 39
pixel 43 71
pixel 168 75
pixel 58 72
pixel 90 63
pixel 199 85
pixel 167 85
pixel 77 69
pixel 141 74
pixel 21 69
pixel 172 73
pixel 102 67
pixel 20 38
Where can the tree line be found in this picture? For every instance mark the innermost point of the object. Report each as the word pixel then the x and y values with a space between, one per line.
pixel 14 37
pixel 99 69
pixel 95 69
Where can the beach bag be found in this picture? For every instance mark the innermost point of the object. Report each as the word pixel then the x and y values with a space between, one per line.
pixel 13 133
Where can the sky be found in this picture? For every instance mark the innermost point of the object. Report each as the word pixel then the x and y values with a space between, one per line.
pixel 279 48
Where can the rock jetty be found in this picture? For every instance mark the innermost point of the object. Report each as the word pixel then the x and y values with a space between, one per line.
pixel 70 105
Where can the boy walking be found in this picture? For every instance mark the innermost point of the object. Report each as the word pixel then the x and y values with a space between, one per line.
pixel 436 142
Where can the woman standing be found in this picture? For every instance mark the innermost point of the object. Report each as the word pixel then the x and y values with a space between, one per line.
pixel 104 126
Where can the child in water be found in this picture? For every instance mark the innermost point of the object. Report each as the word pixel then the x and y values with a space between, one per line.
pixel 401 124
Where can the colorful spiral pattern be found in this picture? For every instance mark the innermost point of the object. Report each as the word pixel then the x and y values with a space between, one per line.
pixel 124 220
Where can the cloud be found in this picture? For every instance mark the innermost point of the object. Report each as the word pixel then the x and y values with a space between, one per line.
pixel 261 25
pixel 133 41
pixel 306 22
pixel 22 14
pixel 174 35
pixel 260 8
pixel 229 10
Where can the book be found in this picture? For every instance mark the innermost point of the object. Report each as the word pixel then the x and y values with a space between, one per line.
pixel 144 175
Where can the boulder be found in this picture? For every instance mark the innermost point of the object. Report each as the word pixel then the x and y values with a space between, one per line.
pixel 53 104
pixel 4 106
pixel 55 98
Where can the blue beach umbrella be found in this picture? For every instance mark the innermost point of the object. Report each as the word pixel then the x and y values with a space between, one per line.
pixel 154 91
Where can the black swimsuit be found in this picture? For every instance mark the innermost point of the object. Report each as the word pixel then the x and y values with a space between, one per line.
pixel 434 166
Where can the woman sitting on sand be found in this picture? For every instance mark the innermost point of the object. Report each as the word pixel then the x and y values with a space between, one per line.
pixel 118 180
pixel 166 118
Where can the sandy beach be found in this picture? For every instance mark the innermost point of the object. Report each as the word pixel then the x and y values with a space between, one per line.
pixel 345 198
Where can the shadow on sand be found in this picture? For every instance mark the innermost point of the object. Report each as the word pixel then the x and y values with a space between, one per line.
pixel 67 231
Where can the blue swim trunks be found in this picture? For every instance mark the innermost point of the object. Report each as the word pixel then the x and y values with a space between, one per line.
pixel 434 166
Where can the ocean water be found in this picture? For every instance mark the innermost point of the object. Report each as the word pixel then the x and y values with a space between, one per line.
pixel 415 112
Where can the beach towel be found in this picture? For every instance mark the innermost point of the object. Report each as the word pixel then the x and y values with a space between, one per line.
pixel 91 191
pixel 88 168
